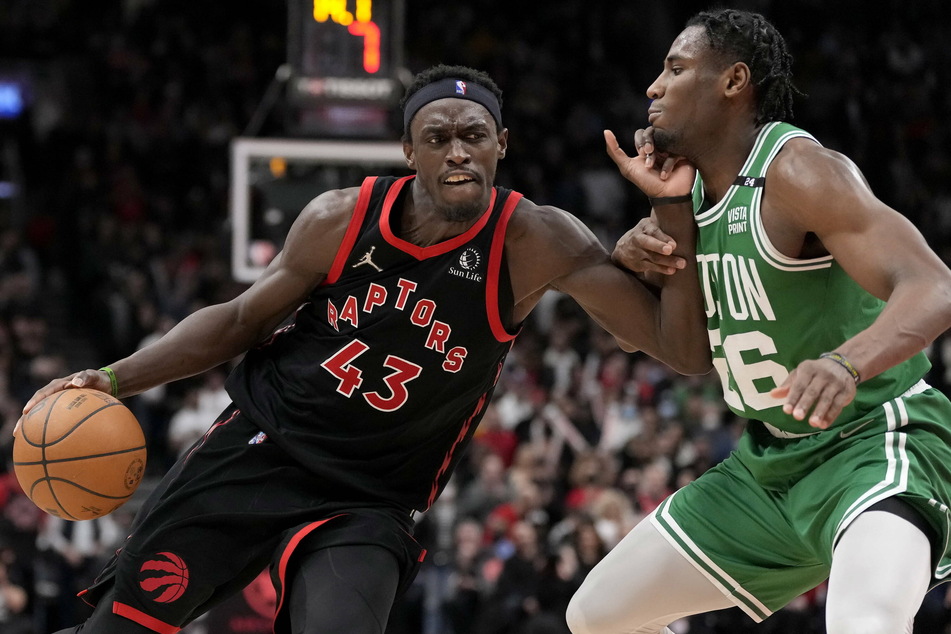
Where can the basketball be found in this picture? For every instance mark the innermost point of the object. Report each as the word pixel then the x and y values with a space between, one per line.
pixel 79 454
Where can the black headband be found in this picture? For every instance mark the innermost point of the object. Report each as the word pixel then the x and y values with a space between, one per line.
pixel 448 89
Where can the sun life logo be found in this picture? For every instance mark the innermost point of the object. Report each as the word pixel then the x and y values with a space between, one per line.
pixel 470 259
pixel 470 263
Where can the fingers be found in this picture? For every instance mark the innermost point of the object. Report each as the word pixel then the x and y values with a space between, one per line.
pixel 617 155
pixel 644 143
pixel 646 248
pixel 93 379
pixel 668 166
pixel 638 264
pixel 50 388
pixel 818 390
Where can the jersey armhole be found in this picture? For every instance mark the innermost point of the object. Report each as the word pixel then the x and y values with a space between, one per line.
pixel 496 261
pixel 353 230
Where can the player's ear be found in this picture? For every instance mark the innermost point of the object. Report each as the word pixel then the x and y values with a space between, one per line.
pixel 409 154
pixel 503 142
pixel 738 79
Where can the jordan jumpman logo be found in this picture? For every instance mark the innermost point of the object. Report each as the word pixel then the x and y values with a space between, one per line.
pixel 366 260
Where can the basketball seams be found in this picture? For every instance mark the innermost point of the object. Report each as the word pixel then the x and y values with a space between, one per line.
pixel 79 424
pixel 66 514
pixel 56 478
pixel 46 470
pixel 86 489
pixel 118 452
pixel 49 411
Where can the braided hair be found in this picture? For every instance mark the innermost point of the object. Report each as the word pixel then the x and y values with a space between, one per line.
pixel 742 36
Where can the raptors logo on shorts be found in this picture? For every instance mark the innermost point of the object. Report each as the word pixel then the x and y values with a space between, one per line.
pixel 164 577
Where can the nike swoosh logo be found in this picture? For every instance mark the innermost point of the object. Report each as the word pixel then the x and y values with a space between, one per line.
pixel 846 434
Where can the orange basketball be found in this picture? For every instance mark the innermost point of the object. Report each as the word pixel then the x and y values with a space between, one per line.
pixel 79 454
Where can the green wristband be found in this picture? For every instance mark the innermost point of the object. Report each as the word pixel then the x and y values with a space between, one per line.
pixel 113 381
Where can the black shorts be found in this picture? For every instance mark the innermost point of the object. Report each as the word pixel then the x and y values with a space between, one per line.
pixel 232 505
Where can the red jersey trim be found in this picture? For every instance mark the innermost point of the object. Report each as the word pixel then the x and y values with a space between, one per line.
pixel 495 263
pixel 143 619
pixel 209 432
pixel 421 253
pixel 82 595
pixel 353 230
pixel 447 459
pixel 286 557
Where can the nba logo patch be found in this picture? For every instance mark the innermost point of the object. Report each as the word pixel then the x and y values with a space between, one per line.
pixel 258 438
pixel 460 87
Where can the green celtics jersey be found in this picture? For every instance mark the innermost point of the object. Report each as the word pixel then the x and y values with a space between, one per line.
pixel 767 312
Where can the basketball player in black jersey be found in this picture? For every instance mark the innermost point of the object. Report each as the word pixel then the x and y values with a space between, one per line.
pixel 401 297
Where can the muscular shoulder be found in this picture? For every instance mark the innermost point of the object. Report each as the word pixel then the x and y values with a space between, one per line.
pixel 803 162
pixel 319 229
pixel 333 206
pixel 806 181
pixel 547 228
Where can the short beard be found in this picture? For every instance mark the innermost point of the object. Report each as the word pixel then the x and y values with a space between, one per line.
pixel 665 142
pixel 463 212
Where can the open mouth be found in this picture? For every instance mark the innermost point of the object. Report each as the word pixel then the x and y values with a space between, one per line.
pixel 458 179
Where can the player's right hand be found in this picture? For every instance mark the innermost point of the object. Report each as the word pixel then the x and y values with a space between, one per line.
pixel 647 249
pixel 817 389
pixel 91 379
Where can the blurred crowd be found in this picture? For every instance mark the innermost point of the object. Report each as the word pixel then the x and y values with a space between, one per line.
pixel 118 227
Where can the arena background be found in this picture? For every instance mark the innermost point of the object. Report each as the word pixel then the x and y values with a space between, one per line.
pixel 116 122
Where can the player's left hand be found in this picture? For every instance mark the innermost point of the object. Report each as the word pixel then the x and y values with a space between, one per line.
pixel 647 249
pixel 673 177
pixel 818 386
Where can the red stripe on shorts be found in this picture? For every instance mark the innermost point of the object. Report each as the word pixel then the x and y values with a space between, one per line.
pixel 286 557
pixel 143 619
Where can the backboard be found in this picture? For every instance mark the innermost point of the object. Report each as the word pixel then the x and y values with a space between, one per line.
pixel 272 179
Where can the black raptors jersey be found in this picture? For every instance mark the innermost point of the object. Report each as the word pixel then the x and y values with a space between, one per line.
pixel 381 379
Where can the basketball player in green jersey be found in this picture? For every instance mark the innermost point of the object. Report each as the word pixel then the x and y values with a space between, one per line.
pixel 819 300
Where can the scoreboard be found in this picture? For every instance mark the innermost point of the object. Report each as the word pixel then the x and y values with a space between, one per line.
pixel 346 58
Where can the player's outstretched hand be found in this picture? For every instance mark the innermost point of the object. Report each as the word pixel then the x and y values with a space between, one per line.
pixel 92 379
pixel 673 176
pixel 818 386
pixel 647 249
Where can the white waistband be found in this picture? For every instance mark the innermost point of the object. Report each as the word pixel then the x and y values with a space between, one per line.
pixel 780 433
pixel 917 388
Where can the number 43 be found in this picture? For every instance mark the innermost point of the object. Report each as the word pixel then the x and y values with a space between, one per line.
pixel 351 377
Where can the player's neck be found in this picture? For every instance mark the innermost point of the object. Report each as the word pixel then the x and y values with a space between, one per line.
pixel 424 225
pixel 721 163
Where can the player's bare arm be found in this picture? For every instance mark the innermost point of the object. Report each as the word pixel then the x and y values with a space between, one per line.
pixel 549 249
pixel 818 192
pixel 647 249
pixel 218 333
